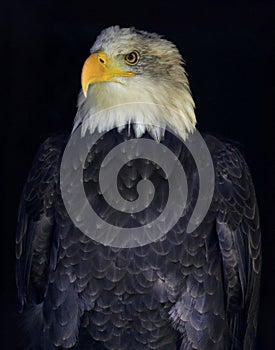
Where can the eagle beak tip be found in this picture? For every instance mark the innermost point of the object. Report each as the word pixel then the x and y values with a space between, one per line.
pixel 85 88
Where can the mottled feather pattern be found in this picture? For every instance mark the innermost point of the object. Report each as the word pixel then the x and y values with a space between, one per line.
pixel 193 290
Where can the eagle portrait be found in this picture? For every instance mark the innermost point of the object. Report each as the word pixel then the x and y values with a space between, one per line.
pixel 129 277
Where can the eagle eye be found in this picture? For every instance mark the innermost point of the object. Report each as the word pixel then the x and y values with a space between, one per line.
pixel 132 57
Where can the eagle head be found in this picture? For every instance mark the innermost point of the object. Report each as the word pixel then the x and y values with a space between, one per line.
pixel 135 77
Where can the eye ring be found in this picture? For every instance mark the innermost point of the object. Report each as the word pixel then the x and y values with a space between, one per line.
pixel 132 57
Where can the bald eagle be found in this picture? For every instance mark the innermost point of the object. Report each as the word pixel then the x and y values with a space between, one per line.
pixel 183 289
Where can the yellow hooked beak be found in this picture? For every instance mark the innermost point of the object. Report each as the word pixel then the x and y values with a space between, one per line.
pixel 97 68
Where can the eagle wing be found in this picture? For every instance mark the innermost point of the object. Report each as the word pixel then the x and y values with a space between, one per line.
pixel 37 235
pixel 238 230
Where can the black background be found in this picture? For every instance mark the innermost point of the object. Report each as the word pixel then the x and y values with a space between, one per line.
pixel 229 52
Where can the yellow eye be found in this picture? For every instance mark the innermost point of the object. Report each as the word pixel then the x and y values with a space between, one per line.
pixel 131 57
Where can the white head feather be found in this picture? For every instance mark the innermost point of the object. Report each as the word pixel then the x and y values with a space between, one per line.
pixel 157 96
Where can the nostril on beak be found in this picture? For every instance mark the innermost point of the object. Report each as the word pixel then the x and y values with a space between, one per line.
pixel 101 60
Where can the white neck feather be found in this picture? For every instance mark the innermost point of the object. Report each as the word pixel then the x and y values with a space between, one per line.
pixel 148 106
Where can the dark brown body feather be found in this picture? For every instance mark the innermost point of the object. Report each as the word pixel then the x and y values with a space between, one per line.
pixel 194 290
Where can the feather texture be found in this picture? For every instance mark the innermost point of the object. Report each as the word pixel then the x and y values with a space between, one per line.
pixel 185 291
